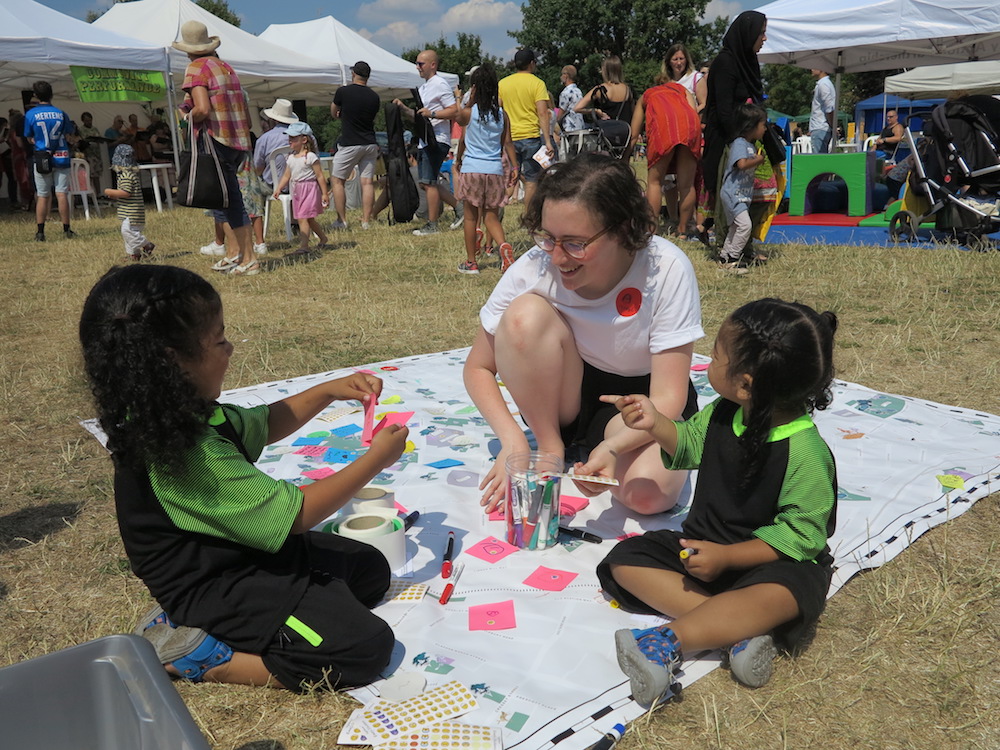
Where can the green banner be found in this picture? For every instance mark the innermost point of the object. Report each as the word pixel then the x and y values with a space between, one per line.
pixel 116 85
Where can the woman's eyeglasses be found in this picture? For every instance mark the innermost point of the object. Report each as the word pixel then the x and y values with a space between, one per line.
pixel 573 248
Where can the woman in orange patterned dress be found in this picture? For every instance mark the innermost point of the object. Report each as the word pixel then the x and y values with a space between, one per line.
pixel 673 142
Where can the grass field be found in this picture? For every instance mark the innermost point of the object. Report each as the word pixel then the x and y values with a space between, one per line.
pixel 903 658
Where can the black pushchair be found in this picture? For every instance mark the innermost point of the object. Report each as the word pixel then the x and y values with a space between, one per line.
pixel 601 136
pixel 956 170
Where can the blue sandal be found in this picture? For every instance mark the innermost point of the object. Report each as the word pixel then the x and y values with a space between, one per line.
pixel 191 651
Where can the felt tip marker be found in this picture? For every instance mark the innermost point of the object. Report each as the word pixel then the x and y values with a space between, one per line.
pixel 610 739
pixel 448 551
pixel 411 519
pixel 450 588
pixel 580 534
pixel 687 552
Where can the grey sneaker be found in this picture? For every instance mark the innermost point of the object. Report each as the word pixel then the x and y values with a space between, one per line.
pixel 459 216
pixel 338 224
pixel 752 660
pixel 650 658
pixel 429 228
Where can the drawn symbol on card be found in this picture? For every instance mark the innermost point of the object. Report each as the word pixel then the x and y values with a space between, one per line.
pixel 628 302
pixel 389 368
pixel 493 549
pixel 492 612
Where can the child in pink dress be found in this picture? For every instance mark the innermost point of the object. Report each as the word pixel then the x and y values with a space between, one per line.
pixel 310 196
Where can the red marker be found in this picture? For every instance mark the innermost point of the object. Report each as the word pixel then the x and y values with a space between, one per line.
pixel 450 588
pixel 448 551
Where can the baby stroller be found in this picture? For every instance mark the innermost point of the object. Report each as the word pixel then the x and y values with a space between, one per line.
pixel 956 170
pixel 602 136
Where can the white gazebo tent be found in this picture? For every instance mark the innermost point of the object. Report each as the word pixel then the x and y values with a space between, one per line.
pixel 339 46
pixel 37 42
pixel 266 70
pixel 851 36
pixel 982 77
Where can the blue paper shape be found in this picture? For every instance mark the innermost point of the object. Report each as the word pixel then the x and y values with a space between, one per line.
pixel 346 431
pixel 337 456
pixel 446 463
pixel 308 441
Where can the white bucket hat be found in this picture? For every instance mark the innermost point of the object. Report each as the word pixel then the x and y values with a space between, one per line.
pixel 281 111
pixel 196 39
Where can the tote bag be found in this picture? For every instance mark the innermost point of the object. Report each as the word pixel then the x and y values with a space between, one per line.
pixel 200 182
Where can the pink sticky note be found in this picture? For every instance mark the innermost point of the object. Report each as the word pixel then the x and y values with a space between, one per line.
pixel 393 417
pixel 369 421
pixel 318 474
pixel 311 450
pixel 699 368
pixel 499 616
pixel 491 550
pixel 550 579
pixel 496 515
pixel 570 505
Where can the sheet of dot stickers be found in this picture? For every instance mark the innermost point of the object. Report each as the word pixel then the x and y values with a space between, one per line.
pixel 448 735
pixel 904 466
pixel 393 721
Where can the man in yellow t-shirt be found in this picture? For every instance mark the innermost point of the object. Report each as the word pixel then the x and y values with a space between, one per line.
pixel 526 102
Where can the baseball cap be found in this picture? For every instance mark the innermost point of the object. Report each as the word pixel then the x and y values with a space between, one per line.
pixel 362 68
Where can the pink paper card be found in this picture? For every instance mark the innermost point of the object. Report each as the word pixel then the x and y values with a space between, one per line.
pixel 311 450
pixel 496 515
pixel 699 367
pixel 491 550
pixel 318 474
pixel 570 505
pixel 367 425
pixel 499 616
pixel 550 579
pixel 393 417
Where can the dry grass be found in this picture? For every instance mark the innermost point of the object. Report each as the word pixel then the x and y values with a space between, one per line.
pixel 903 657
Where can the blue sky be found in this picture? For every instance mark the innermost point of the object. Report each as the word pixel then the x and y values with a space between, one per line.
pixel 396 24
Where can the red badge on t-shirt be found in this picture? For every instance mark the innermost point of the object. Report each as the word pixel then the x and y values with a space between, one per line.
pixel 629 301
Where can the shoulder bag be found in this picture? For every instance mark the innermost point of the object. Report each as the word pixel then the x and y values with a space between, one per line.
pixel 201 182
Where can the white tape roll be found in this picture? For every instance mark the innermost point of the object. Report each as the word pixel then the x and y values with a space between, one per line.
pixel 371 500
pixel 384 533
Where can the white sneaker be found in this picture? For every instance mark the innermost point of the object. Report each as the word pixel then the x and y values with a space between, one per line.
pixel 213 248
pixel 260 248
pixel 365 225
pixel 429 228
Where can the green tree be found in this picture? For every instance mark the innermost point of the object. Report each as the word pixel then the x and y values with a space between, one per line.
pixel 218 8
pixel 789 88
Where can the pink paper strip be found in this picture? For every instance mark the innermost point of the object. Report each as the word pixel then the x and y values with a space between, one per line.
pixel 393 417
pixel 311 450
pixel 318 474
pixel 367 432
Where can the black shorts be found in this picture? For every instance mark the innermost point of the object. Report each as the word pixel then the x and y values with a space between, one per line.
pixel 335 640
pixel 587 430
pixel 808 582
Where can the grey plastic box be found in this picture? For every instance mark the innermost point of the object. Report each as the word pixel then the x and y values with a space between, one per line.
pixel 107 694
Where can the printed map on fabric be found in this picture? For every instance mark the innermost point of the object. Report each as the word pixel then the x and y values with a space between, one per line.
pixel 529 632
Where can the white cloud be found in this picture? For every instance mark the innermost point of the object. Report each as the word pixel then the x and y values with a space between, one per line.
pixel 478 16
pixel 723 8
pixel 395 37
pixel 386 11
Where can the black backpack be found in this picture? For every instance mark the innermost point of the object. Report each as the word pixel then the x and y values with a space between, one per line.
pixel 403 194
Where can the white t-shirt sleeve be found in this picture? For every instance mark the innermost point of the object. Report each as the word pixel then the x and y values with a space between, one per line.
pixel 677 317
pixel 512 284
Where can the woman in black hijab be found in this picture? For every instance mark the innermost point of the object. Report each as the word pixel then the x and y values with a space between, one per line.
pixel 733 79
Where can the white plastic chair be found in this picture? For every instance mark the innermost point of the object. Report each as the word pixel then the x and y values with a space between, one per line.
pixel 285 198
pixel 79 184
pixel 802 145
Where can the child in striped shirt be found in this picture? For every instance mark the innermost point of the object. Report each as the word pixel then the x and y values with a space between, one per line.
pixel 131 208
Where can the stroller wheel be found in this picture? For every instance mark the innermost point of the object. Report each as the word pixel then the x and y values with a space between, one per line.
pixel 903 226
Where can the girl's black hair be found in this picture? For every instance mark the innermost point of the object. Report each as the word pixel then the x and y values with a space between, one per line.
pixel 484 78
pixel 747 118
pixel 606 187
pixel 135 323
pixel 787 349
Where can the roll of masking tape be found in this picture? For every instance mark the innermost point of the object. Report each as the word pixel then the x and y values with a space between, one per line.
pixel 384 533
pixel 371 500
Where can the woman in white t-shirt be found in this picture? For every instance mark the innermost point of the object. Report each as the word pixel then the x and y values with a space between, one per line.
pixel 598 306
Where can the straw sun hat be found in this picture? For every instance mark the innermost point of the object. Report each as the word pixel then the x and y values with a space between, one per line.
pixel 195 39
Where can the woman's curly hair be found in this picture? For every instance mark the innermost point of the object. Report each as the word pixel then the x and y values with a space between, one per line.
pixel 606 187
pixel 135 323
